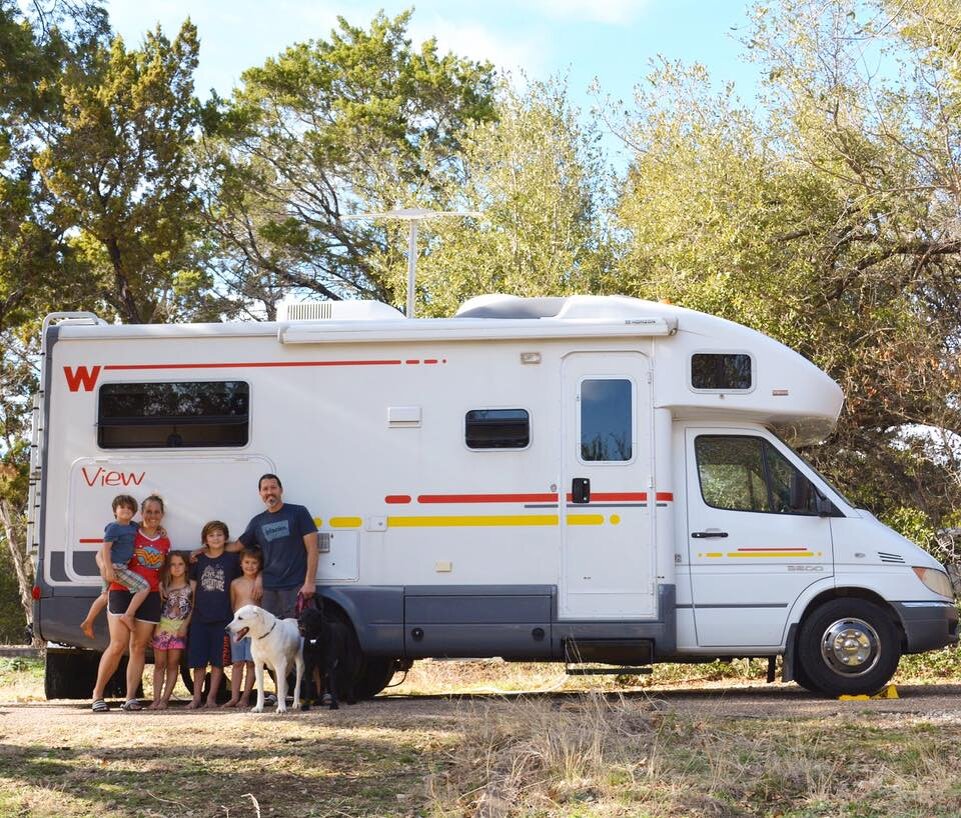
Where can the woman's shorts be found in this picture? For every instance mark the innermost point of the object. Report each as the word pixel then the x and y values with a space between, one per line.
pixel 165 637
pixel 149 611
pixel 207 644
pixel 240 651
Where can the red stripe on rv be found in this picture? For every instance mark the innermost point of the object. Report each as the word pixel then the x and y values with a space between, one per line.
pixel 397 498
pixel 86 541
pixel 615 496
pixel 487 498
pixel 248 365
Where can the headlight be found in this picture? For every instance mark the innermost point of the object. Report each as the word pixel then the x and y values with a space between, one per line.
pixel 935 580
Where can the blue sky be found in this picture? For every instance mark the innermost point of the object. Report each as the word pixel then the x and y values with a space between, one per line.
pixel 611 40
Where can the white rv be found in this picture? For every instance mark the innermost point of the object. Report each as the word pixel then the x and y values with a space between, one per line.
pixel 584 479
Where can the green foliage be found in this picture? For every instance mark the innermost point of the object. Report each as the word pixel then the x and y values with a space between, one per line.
pixel 117 161
pixel 537 177
pixel 330 127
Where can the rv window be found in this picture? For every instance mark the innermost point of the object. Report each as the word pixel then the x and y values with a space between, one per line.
pixel 606 412
pixel 164 415
pixel 741 473
pixel 498 429
pixel 727 372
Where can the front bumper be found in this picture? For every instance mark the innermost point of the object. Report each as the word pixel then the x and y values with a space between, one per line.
pixel 928 625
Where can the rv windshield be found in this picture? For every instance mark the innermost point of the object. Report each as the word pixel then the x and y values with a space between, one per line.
pixel 815 469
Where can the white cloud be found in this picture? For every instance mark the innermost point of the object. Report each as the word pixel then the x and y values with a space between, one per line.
pixel 473 40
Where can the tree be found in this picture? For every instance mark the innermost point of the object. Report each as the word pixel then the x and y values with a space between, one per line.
pixel 537 176
pixel 331 127
pixel 828 221
pixel 118 164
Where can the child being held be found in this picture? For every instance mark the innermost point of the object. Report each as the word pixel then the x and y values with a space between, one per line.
pixel 112 559
pixel 207 643
pixel 245 590
pixel 170 636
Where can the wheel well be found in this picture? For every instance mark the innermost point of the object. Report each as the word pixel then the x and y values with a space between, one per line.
pixel 858 593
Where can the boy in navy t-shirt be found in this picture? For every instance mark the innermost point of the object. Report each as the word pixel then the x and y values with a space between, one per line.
pixel 207 644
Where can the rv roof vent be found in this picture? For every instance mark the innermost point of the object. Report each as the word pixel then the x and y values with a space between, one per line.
pixel 336 311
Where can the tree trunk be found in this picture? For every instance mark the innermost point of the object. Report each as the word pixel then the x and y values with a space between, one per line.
pixel 13 533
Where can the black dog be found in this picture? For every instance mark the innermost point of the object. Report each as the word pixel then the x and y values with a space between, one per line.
pixel 329 649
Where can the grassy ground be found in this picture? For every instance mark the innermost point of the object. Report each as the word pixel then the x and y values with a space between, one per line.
pixel 583 754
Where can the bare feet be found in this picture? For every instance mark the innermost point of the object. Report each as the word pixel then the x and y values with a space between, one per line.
pixel 231 703
pixel 194 704
pixel 162 705
pixel 211 704
pixel 154 705
pixel 87 628
pixel 127 620
pixel 244 702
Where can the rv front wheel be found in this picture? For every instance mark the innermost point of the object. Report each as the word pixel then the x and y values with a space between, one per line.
pixel 848 647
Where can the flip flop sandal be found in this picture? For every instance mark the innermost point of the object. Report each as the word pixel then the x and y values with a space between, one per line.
pixel 131 704
pixel 99 706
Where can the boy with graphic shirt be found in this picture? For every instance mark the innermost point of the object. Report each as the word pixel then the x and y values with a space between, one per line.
pixel 207 643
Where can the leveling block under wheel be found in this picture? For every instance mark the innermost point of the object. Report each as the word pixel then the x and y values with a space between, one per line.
pixel 887 692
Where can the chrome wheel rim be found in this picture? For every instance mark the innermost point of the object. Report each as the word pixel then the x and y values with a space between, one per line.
pixel 850 647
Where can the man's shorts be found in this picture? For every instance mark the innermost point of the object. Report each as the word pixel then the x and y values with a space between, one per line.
pixel 280 602
pixel 240 651
pixel 149 610
pixel 207 644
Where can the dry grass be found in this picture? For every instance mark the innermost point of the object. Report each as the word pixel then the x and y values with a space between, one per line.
pixel 597 757
pixel 586 753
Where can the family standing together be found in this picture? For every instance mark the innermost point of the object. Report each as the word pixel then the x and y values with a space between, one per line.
pixel 177 601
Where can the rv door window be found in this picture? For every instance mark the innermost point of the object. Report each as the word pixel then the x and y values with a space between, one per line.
pixel 497 429
pixel 743 473
pixel 606 420
pixel 165 415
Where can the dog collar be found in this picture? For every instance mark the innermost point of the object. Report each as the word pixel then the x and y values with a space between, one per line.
pixel 265 635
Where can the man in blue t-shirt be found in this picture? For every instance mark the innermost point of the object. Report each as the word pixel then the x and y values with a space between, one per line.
pixel 287 536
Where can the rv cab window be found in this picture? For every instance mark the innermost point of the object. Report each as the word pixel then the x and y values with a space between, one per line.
pixel 726 372
pixel 168 415
pixel 497 429
pixel 743 473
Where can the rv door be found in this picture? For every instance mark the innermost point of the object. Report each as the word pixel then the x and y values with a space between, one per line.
pixel 607 562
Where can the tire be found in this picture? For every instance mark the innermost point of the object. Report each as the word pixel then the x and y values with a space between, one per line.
pixel 847 647
pixel 374 676
pixel 71 674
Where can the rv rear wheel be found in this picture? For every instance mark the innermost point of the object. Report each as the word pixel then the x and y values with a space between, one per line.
pixel 848 647
pixel 71 674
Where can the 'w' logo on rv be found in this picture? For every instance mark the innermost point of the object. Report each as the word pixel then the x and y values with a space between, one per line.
pixel 81 377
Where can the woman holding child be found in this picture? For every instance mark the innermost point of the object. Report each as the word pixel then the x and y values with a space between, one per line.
pixel 150 550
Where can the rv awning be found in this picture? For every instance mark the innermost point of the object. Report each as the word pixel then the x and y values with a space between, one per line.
pixel 467 329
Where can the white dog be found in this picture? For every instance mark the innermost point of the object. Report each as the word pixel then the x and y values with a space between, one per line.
pixel 273 642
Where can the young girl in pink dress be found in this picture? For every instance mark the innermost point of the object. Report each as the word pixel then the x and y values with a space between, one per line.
pixel 170 637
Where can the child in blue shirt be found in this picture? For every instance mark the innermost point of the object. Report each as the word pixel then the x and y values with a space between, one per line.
pixel 112 559
pixel 207 643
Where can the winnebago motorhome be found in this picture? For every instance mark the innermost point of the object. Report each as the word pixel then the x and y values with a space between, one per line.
pixel 594 480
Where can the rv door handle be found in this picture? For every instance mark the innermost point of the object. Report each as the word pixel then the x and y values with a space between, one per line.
pixel 581 490
pixel 703 535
